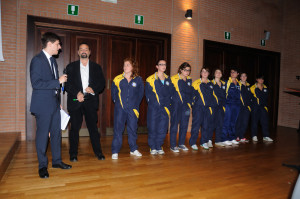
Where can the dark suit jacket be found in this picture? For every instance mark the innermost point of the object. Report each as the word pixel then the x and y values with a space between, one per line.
pixel 44 85
pixel 74 85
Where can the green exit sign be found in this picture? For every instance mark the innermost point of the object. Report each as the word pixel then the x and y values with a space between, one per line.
pixel 73 10
pixel 139 19
pixel 227 35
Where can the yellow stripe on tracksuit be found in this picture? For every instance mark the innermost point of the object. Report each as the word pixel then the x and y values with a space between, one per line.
pixel 117 81
pixel 151 79
pixel 175 79
pixel 136 113
pixel 196 85
pixel 252 89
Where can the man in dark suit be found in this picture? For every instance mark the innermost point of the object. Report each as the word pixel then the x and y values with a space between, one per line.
pixel 85 82
pixel 45 103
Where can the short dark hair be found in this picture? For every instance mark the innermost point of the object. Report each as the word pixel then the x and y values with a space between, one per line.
pixel 260 76
pixel 234 68
pixel 83 43
pixel 49 37
pixel 183 66
pixel 159 61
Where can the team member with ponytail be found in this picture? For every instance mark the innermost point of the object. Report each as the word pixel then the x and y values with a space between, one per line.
pixel 260 109
pixel 204 107
pixel 180 106
pixel 127 92
pixel 245 109
pixel 158 95
pixel 220 91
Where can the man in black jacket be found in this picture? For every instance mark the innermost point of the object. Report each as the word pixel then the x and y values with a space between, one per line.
pixel 85 82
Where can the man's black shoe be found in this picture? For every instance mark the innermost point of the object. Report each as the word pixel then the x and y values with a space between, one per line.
pixel 43 172
pixel 62 166
pixel 100 156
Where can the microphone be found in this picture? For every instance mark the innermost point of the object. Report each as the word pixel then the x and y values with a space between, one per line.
pixel 63 84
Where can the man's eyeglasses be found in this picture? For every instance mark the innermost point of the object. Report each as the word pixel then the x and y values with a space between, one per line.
pixel 187 70
pixel 162 64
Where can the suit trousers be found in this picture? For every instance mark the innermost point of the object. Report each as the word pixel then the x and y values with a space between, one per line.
pixel 91 119
pixel 46 123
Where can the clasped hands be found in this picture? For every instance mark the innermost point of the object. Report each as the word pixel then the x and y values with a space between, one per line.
pixel 80 95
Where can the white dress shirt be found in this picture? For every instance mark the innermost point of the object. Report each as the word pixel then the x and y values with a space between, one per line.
pixel 48 57
pixel 84 72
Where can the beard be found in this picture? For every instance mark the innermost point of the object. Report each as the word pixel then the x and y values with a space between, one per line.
pixel 83 55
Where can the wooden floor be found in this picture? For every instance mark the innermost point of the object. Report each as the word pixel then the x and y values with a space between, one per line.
pixel 247 171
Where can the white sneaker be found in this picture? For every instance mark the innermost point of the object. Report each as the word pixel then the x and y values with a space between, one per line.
pixel 220 144
pixel 204 146
pixel 209 144
pixel 235 142
pixel 136 153
pixel 153 152
pixel 175 149
pixel 161 151
pixel 227 143
pixel 115 156
pixel 194 147
pixel 254 139
pixel 267 139
pixel 183 147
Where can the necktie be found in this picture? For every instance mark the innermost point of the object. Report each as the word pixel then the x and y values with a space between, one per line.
pixel 52 67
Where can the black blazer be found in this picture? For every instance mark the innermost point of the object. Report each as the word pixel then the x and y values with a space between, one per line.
pixel 74 85
pixel 44 85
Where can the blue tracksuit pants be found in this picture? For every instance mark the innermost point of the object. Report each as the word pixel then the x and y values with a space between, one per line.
pixel 260 114
pixel 121 117
pixel 242 122
pixel 231 115
pixel 201 118
pixel 157 124
pixel 218 118
pixel 179 115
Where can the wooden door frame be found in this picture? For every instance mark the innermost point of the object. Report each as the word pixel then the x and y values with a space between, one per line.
pixel 59 24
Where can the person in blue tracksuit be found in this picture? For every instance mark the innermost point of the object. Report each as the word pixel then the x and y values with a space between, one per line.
pixel 260 109
pixel 127 92
pixel 245 109
pixel 181 101
pixel 220 92
pixel 158 95
pixel 205 104
pixel 232 108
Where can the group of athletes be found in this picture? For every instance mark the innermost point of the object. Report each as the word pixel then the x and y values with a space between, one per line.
pixel 216 106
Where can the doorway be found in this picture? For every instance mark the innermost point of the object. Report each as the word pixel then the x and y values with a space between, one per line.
pixel 250 60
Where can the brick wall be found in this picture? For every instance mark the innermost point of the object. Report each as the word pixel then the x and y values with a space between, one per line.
pixel 289 105
pixel 245 19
